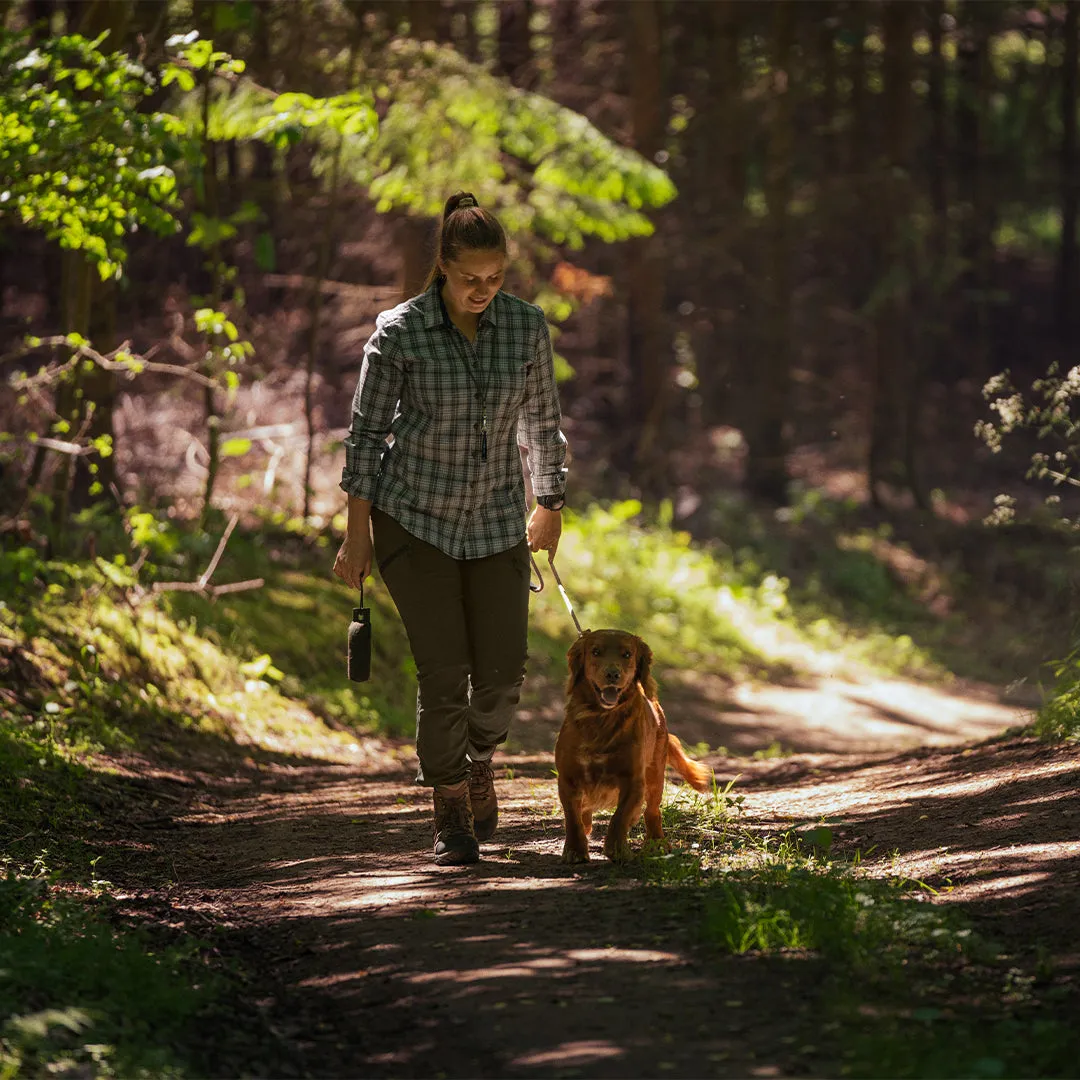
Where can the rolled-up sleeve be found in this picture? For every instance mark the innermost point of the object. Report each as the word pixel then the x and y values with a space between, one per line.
pixel 540 423
pixel 374 406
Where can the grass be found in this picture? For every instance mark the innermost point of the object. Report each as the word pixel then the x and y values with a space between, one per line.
pixel 909 987
pixel 80 996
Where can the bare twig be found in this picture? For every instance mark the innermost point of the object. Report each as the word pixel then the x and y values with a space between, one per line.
pixel 60 446
pixel 1062 478
pixel 203 585
pixel 213 591
pixel 209 571
pixel 107 362
pixel 236 586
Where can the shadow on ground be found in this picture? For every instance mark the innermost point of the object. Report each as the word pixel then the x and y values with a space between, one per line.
pixel 372 961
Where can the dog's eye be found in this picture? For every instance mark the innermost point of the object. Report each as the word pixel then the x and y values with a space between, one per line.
pixel 626 654
pixel 595 651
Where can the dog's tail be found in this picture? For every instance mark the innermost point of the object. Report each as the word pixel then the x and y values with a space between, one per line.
pixel 693 772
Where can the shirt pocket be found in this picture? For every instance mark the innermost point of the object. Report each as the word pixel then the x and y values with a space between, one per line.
pixel 509 371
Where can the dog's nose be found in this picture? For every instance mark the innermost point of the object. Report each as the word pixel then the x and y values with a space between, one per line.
pixel 612 674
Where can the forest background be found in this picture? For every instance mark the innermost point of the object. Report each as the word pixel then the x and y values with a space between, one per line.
pixel 785 248
pixel 813 278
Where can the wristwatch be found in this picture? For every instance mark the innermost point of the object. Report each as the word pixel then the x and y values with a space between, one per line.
pixel 551 502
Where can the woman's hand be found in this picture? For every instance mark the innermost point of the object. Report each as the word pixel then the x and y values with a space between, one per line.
pixel 544 530
pixel 353 562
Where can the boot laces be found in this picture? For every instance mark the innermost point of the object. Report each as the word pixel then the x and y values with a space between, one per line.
pixel 454 814
pixel 481 779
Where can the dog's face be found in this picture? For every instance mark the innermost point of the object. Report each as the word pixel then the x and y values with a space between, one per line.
pixel 611 662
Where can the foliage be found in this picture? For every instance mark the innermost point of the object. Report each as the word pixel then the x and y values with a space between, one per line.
pixel 1051 413
pixel 82 997
pixel 544 169
pixel 1059 717
pixel 655 583
pixel 79 159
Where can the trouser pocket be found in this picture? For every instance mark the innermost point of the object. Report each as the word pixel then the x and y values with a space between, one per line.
pixel 385 561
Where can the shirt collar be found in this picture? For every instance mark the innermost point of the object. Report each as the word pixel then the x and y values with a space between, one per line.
pixel 435 313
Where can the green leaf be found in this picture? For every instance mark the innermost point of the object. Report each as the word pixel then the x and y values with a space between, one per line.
pixel 235 447
pixel 265 254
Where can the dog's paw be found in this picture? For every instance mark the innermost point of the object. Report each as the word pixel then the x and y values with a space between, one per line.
pixel 573 855
pixel 617 852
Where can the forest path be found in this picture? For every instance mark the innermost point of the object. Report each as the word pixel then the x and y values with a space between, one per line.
pixel 375 962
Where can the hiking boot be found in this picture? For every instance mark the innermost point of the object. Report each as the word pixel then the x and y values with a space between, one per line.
pixel 455 841
pixel 485 804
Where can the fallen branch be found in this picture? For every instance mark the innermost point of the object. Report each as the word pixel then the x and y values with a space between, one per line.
pixel 203 585
pixel 212 591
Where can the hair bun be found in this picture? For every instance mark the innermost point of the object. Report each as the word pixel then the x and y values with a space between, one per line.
pixel 460 200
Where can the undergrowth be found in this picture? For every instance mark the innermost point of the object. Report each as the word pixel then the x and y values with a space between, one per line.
pixel 909 987
pixel 1059 718
pixel 81 996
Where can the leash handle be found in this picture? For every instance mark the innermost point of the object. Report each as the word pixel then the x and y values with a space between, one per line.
pixel 558 582
pixel 539 586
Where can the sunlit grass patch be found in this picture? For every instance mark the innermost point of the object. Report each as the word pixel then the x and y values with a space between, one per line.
pixel 653 582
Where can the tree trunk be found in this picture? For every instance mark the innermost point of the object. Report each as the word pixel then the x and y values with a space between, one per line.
pixel 1069 177
pixel 647 353
pixel 895 387
pixel 425 19
pixel 716 189
pixel 88 308
pixel 825 13
pixel 566 39
pixel 766 466
pixel 973 192
pixel 415 234
pixel 74 402
pixel 515 41
pixel 857 148
pixel 935 99
pixel 327 247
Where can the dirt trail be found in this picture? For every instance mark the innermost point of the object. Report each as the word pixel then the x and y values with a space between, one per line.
pixel 377 963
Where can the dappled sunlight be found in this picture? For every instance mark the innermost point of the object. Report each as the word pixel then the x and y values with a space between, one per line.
pixel 578 1052
pixel 993 825
pixel 834 715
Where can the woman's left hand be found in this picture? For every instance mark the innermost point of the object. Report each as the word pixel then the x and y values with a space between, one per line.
pixel 544 529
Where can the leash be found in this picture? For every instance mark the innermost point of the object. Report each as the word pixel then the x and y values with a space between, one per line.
pixel 558 581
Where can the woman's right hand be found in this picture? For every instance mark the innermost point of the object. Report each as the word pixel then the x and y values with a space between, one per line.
pixel 353 562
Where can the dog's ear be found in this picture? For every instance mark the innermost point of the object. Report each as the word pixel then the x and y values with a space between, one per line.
pixel 644 668
pixel 576 660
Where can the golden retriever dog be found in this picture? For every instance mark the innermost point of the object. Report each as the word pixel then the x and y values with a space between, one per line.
pixel 614 744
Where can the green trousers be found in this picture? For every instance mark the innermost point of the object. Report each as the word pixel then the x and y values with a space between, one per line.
pixel 467 622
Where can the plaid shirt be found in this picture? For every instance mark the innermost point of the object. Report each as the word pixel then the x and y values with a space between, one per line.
pixel 422 383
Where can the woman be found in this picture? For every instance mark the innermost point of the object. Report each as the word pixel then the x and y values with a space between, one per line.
pixel 457 375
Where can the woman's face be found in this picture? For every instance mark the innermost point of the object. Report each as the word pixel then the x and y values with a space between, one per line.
pixel 472 279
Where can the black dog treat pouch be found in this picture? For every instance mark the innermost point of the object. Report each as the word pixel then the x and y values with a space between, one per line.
pixel 359 656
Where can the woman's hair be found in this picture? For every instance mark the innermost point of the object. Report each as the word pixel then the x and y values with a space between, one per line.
pixel 465 227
